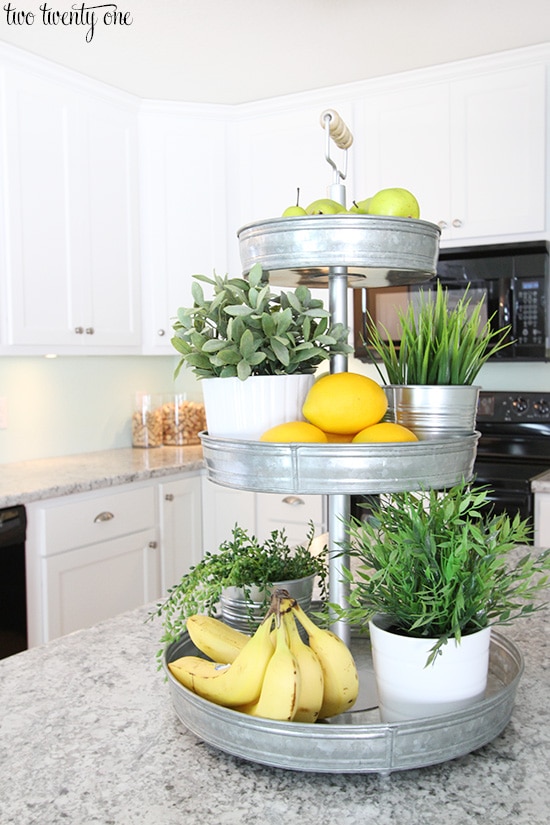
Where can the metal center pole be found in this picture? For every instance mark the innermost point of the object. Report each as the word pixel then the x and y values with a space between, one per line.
pixel 338 504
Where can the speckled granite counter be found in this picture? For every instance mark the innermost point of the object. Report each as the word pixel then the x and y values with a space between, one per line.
pixel 541 483
pixel 25 481
pixel 89 735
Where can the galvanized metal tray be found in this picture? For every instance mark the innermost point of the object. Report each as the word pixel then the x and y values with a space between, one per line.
pixel 355 742
pixel 339 468
pixel 376 250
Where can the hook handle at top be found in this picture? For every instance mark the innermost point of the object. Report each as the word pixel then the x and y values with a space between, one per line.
pixel 339 132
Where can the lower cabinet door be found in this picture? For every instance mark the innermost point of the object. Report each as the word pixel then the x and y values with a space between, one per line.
pixel 180 528
pixel 222 509
pixel 89 584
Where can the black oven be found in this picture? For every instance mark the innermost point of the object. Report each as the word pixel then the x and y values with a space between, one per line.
pixel 514 447
pixel 513 280
pixel 13 599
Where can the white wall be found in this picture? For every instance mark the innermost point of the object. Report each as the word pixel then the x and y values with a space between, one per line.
pixel 78 404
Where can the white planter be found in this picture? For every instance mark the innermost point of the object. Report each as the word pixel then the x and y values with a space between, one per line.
pixel 407 689
pixel 246 409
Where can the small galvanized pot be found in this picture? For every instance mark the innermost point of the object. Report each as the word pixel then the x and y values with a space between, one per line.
pixel 433 411
pixel 245 610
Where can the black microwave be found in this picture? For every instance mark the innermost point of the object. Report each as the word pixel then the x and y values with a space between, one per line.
pixel 513 280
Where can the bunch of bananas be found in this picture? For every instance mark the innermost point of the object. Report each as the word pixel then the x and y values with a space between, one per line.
pixel 273 674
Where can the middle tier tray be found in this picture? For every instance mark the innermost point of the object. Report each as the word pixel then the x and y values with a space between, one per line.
pixel 339 468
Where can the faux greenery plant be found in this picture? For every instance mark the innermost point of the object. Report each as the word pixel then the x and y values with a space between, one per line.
pixel 439 344
pixel 438 563
pixel 246 329
pixel 241 561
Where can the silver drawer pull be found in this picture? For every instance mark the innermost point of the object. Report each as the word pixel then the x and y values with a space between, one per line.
pixel 104 516
pixel 169 497
pixel 153 545
pixel 295 501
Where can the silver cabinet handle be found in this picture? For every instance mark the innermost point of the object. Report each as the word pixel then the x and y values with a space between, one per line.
pixel 153 545
pixel 90 330
pixel 169 497
pixel 161 332
pixel 442 224
pixel 294 501
pixel 457 223
pixel 104 516
pixel 79 330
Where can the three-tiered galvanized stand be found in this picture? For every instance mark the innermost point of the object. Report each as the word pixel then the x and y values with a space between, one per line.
pixel 342 251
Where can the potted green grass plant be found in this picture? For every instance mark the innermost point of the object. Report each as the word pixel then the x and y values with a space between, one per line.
pixel 430 376
pixel 257 341
pixel 435 571
pixel 252 567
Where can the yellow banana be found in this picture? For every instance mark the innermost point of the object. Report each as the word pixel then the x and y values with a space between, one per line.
pixel 281 685
pixel 310 696
pixel 214 638
pixel 341 681
pixel 187 667
pixel 237 684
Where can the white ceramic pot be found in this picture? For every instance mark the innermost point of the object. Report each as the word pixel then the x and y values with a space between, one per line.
pixel 433 411
pixel 246 409
pixel 408 689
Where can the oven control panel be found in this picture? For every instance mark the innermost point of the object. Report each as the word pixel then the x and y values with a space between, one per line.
pixel 527 407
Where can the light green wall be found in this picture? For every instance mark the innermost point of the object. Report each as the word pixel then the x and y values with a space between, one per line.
pixel 79 404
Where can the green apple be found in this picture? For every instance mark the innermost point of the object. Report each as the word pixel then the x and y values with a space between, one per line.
pixel 295 210
pixel 360 207
pixel 396 202
pixel 325 206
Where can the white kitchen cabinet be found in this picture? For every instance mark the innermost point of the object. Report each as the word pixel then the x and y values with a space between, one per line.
pixel 183 209
pixel 222 508
pixel 291 512
pixel 90 556
pixel 542 520
pixel 471 148
pixel 259 513
pixel 71 257
pixel 180 511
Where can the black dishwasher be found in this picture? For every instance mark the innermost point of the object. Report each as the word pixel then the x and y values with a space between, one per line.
pixel 13 589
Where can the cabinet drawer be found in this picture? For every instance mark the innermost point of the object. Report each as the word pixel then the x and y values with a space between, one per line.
pixel 94 518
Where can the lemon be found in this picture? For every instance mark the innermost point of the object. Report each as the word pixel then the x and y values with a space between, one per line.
pixel 292 431
pixel 344 402
pixel 339 438
pixel 385 431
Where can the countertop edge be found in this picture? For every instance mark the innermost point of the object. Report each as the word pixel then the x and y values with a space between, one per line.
pixel 30 481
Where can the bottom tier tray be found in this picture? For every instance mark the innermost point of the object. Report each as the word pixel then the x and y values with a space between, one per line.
pixel 339 468
pixel 357 741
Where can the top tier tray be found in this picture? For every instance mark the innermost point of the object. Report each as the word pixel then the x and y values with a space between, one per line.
pixel 375 250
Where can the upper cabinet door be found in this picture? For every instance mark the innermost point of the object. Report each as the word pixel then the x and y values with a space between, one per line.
pixel 71 217
pixel 405 143
pixel 39 138
pixel 498 149
pixel 471 150
pixel 183 212
pixel 109 205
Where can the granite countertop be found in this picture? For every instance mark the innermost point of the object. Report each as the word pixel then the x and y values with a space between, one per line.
pixel 89 735
pixel 24 481
pixel 541 483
